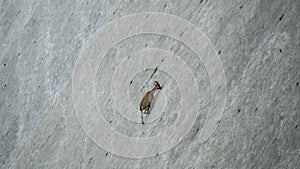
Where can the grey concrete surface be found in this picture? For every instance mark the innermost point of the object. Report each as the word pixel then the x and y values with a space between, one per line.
pixel 257 42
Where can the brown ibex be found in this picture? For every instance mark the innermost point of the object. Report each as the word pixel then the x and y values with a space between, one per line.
pixel 147 100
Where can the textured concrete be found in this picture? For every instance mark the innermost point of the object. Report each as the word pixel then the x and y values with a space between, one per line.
pixel 257 42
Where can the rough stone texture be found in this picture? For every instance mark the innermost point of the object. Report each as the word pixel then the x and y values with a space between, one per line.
pixel 258 44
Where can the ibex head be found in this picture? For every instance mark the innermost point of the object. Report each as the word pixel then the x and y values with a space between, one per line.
pixel 156 85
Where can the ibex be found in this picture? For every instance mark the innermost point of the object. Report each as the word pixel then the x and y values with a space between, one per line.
pixel 147 99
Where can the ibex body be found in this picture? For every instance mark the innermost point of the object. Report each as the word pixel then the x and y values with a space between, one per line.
pixel 147 100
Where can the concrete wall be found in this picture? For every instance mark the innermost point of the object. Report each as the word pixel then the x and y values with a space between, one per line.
pixel 43 44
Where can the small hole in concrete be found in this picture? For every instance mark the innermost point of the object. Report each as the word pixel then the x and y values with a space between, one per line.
pixel 281 118
pixel 241 6
pixel 110 121
pixel 181 34
pixel 146 45
pixel 90 160
pixel 274 140
pixel 280 18
pixel 256 109
pixel 239 110
pixel 34 41
pixel 4 64
pixel 106 154
pixel 219 52
pixel 4 85
pixel 131 82
pixel 297 84
pixel 296 126
pixel 114 12
pixel 19 54
pixel 280 50
pixel 165 5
